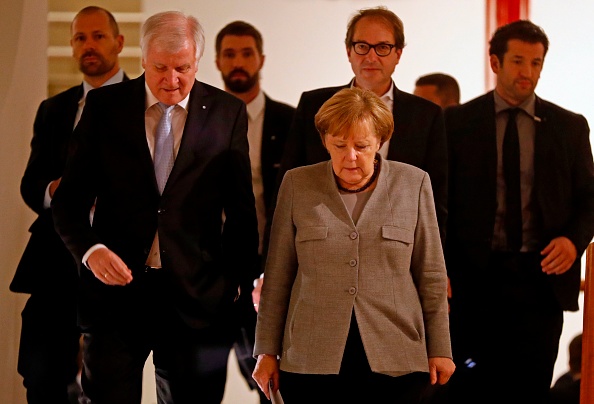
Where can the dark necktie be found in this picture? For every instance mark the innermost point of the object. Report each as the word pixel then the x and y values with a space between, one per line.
pixel 164 158
pixel 511 174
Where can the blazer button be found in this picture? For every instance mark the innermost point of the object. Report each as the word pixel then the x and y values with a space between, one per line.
pixel 352 291
pixel 354 235
pixel 161 211
pixel 353 263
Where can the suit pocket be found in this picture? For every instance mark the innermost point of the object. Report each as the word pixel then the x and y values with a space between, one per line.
pixel 311 244
pixel 311 233
pixel 398 234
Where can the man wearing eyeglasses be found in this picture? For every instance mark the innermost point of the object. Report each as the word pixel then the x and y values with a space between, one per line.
pixel 374 44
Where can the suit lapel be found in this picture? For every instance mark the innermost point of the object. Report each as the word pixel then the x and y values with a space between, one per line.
pixel 544 153
pixel 268 132
pixel 67 123
pixel 486 125
pixel 335 203
pixel 193 142
pixel 379 201
pixel 132 121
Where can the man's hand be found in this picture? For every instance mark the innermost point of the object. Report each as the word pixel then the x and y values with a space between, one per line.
pixel 257 291
pixel 53 186
pixel 109 268
pixel 560 255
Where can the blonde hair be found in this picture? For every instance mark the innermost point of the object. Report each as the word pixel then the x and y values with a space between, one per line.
pixel 354 106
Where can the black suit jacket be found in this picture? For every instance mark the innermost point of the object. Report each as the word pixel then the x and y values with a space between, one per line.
pixel 563 189
pixel 275 128
pixel 205 259
pixel 46 264
pixel 277 122
pixel 418 139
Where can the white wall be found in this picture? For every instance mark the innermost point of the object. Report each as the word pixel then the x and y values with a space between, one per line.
pixel 304 40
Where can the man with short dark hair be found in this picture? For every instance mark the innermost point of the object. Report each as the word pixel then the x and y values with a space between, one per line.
pixel 566 389
pixel 240 58
pixel 521 214
pixel 49 346
pixel 440 88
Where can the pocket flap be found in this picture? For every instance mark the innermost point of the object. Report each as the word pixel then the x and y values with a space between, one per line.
pixel 312 233
pixel 398 233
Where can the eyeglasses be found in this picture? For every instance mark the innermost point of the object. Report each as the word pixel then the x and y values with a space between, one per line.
pixel 381 49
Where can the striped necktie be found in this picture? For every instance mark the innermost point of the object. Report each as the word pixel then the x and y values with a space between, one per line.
pixel 164 157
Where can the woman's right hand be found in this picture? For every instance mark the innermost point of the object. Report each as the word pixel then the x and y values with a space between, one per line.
pixel 266 372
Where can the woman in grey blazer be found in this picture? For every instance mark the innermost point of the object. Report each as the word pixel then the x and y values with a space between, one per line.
pixel 354 307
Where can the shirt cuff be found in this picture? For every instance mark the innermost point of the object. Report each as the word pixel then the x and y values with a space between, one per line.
pixel 256 280
pixel 47 199
pixel 91 251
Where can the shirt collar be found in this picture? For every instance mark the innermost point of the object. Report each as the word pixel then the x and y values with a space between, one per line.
pixel 256 106
pixel 527 105
pixel 387 96
pixel 116 78
pixel 152 100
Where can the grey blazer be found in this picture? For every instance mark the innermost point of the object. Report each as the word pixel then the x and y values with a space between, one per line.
pixel 388 268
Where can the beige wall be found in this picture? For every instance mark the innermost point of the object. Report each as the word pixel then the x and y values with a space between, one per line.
pixel 22 87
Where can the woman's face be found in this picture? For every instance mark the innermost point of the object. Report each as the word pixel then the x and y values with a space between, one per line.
pixel 352 154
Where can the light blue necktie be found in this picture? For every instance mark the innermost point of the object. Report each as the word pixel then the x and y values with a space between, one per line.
pixel 164 157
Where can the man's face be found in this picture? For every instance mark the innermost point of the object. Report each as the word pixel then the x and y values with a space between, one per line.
pixel 94 46
pixel 239 62
pixel 519 73
pixel 373 72
pixel 170 76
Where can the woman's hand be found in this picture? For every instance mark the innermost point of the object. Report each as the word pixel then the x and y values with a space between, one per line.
pixel 266 372
pixel 441 369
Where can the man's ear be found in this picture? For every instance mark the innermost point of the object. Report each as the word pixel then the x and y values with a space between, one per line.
pixel 262 60
pixel 120 41
pixel 494 62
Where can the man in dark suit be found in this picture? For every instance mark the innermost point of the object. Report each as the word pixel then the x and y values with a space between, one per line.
pixel 440 88
pixel 567 387
pixel 374 44
pixel 521 213
pixel 159 268
pixel 240 57
pixel 49 346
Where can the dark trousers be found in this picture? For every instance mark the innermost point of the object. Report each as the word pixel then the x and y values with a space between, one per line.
pixel 355 383
pixel 190 364
pixel 244 350
pixel 49 347
pixel 505 333
pixel 246 338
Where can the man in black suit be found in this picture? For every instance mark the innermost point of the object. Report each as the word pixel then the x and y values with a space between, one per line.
pixel 240 57
pixel 159 268
pixel 374 44
pixel 49 346
pixel 440 88
pixel 521 213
